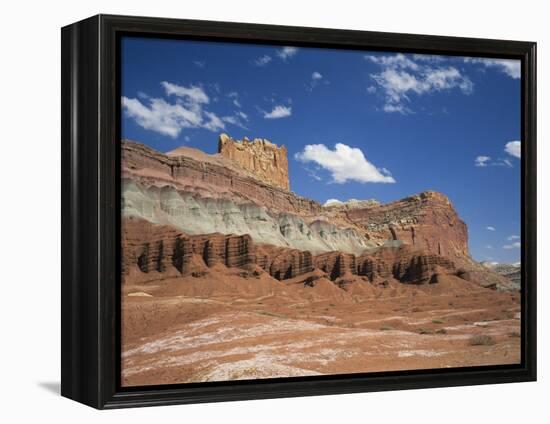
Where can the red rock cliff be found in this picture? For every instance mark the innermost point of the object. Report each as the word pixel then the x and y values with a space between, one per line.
pixel 265 160
pixel 427 221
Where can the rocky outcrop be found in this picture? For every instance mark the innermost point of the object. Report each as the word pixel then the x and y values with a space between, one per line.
pixel 211 176
pixel 402 263
pixel 425 221
pixel 264 159
pixel 197 193
pixel 510 272
pixel 282 263
pixel 182 188
pixel 336 264
pixel 334 204
pixel 193 214
pixel 160 248
pixel 405 264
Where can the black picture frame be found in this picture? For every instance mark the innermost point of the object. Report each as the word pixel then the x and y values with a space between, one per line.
pixel 91 211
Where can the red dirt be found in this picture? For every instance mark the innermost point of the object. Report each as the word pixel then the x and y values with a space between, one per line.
pixel 223 323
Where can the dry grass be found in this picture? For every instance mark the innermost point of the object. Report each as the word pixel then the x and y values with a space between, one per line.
pixel 481 340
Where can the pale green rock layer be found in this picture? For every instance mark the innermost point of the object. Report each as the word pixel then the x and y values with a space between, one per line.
pixel 193 214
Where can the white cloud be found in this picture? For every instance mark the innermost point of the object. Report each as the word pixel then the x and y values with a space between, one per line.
pixel 199 63
pixel 278 111
pixel 430 58
pixel 482 160
pixel 313 175
pixel 191 94
pixel 161 117
pixel 166 118
pixel 236 119
pixel 396 108
pixel 345 163
pixel 490 228
pixel 332 202
pixel 234 96
pixel 488 246
pixel 316 79
pixel 515 245
pixel 513 237
pixel 400 77
pixel 262 60
pixel 513 148
pixel 287 52
pixel 316 76
pixel 394 61
pixel 510 67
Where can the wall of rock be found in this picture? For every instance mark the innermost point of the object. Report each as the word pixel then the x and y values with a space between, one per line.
pixel 150 247
pixel 214 176
pixel 264 159
pixel 425 221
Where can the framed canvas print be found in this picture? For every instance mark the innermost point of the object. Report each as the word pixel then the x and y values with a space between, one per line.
pixel 256 211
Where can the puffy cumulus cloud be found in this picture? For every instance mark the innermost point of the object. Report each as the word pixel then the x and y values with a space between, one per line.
pixel 513 148
pixel 490 228
pixel 344 163
pixel 482 160
pixel 333 202
pixel 510 67
pixel 278 111
pixel 287 52
pixel 188 110
pixel 400 77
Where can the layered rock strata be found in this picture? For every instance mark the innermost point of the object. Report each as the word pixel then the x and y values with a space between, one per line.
pixel 426 221
pixel 260 156
pixel 200 193
pixel 148 248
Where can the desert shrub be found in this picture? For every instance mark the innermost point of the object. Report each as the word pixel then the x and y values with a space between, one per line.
pixel 386 328
pixel 515 334
pixel 481 340
pixel 425 331
pixel 437 321
pixel 441 331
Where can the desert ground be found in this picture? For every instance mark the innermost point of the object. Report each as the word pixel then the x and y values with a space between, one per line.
pixel 224 323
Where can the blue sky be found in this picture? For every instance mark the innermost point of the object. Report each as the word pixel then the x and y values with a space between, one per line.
pixel 357 124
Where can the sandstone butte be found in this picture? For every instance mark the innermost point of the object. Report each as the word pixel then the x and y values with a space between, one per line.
pixel 264 159
pixel 411 240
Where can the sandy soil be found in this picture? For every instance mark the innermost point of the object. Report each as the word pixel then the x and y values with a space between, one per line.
pixel 227 324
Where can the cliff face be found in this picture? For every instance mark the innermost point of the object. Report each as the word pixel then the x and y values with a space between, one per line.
pixel 199 193
pixel 262 158
pixel 427 221
pixel 211 176
pixel 161 249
